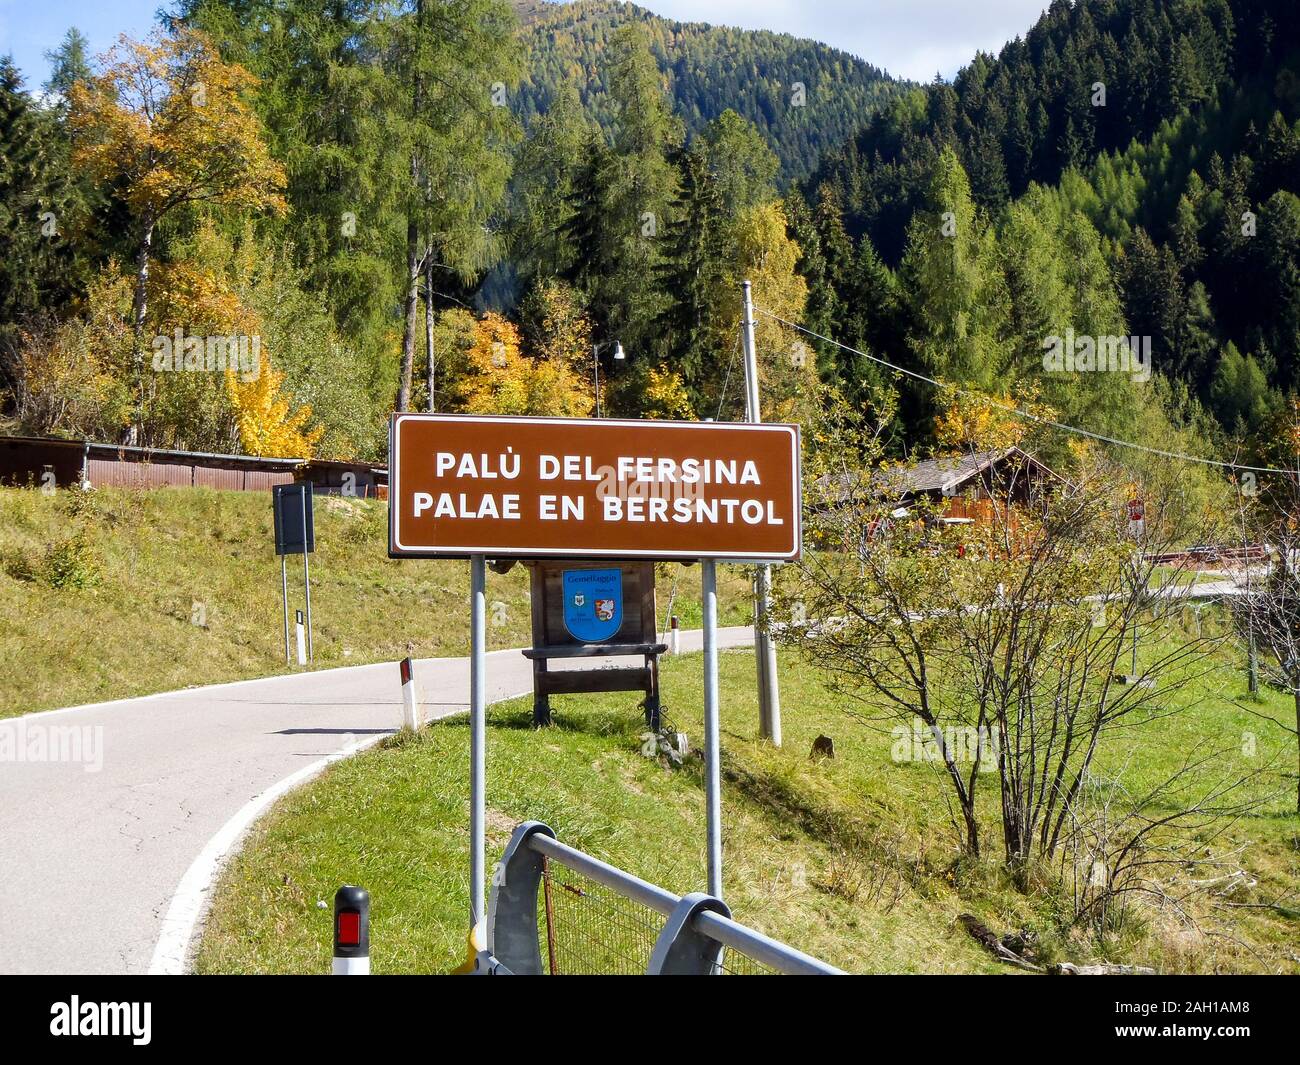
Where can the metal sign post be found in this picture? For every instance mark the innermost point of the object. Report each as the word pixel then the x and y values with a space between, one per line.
pixel 306 583
pixel 712 743
pixel 284 598
pixel 477 736
pixel 295 533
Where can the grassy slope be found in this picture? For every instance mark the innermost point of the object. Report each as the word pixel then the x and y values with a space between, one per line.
pixel 849 859
pixel 162 551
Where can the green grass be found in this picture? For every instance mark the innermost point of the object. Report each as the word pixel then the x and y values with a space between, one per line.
pixel 849 859
pixel 128 628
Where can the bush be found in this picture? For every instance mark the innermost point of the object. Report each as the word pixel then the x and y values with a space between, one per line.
pixel 72 563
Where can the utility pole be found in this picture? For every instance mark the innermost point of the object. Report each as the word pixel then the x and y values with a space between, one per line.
pixel 769 691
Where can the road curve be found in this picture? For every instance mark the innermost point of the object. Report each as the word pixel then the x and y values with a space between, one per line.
pixel 90 860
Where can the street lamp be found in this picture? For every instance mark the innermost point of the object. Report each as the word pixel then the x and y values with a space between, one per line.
pixel 595 364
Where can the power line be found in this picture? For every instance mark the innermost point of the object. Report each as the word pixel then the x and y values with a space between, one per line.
pixel 1026 414
pixel 735 346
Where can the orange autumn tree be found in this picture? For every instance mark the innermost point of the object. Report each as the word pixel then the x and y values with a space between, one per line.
pixel 500 379
pixel 165 123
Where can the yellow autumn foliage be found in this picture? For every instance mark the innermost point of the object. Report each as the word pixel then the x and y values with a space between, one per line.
pixel 978 422
pixel 765 254
pixel 666 397
pixel 500 379
pixel 266 422
pixel 167 121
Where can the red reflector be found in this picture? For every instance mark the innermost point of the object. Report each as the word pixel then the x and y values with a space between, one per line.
pixel 349 928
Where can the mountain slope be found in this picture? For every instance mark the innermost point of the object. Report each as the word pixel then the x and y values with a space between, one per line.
pixel 1087 78
pixel 709 69
pixel 1171 126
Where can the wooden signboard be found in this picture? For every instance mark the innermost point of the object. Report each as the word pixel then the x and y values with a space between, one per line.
pixel 594 610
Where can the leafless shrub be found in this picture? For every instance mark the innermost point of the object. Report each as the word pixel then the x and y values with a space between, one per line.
pixel 1157 847
pixel 1266 613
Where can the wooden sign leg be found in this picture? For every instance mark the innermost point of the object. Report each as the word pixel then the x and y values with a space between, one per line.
pixel 541 701
pixel 652 693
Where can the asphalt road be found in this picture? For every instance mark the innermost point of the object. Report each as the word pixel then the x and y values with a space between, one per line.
pixel 90 861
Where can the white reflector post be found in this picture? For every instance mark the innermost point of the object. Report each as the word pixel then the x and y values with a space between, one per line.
pixel 302 639
pixel 351 931
pixel 410 700
pixel 675 636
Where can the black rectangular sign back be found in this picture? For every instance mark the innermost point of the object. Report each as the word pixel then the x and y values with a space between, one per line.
pixel 295 528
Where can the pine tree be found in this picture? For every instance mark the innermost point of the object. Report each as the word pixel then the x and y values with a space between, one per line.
pixel 954 290
pixel 69 64
pixel 693 273
pixel 325 100
pixel 25 184
pixel 639 193
pixel 452 62
pixel 740 163
pixel 585 232
pixel 546 175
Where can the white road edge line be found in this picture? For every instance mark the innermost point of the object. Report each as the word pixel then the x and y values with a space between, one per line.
pixel 190 899
pixel 189 902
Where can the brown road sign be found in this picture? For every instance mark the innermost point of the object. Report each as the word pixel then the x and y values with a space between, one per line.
pixel 560 488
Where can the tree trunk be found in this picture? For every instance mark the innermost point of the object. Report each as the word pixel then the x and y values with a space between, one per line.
pixel 972 826
pixel 412 299
pixel 428 328
pixel 1297 739
pixel 140 306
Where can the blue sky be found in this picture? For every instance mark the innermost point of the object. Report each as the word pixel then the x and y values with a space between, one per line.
pixel 30 28
pixel 910 38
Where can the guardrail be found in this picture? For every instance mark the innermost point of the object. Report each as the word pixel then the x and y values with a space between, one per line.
pixel 587 916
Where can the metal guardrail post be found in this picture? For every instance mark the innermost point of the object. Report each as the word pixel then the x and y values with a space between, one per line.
pixel 512 934
pixel 682 949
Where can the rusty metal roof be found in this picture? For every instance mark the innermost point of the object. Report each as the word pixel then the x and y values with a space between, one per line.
pixel 943 475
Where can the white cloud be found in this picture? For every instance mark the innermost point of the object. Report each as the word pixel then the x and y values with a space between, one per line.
pixel 909 38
